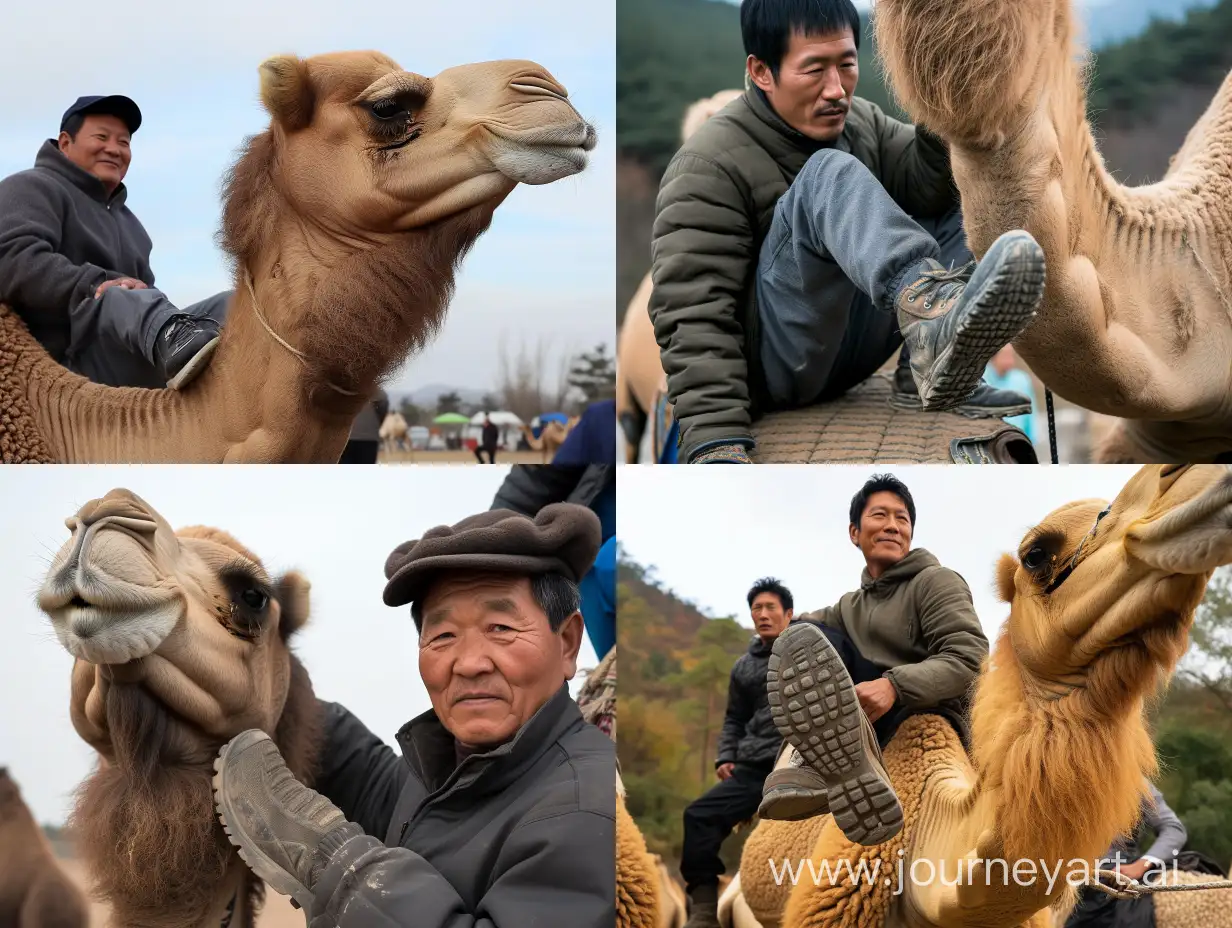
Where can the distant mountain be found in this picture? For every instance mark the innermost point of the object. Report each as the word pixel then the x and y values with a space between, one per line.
pixel 1115 20
pixel 427 396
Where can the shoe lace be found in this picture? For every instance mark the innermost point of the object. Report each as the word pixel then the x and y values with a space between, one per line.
pixel 944 283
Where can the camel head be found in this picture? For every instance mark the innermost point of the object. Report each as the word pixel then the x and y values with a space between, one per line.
pixel 401 150
pixel 181 641
pixel 1101 589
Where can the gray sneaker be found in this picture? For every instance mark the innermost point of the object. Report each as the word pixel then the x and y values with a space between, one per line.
pixel 704 907
pixel 815 707
pixel 954 321
pixel 285 831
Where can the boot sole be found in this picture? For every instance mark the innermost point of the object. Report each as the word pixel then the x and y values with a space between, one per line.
pixel 274 875
pixel 790 804
pixel 912 401
pixel 814 706
pixel 996 316
pixel 196 364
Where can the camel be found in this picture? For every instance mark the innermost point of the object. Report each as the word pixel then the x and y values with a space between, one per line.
pixel 394 432
pixel 181 641
pixel 34 891
pixel 1101 600
pixel 641 384
pixel 551 437
pixel 345 221
pixel 1136 320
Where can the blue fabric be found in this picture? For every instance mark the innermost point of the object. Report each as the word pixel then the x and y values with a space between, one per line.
pixel 593 439
pixel 1019 382
pixel 669 446
pixel 598 590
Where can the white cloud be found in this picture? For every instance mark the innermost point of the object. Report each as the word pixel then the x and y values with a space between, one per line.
pixel 337 531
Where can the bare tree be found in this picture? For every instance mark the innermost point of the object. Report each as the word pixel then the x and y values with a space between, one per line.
pixel 523 381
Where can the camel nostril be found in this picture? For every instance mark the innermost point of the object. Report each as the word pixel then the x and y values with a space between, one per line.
pixel 78 603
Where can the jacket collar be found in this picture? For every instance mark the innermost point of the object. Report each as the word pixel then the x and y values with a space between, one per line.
pixel 50 158
pixel 916 560
pixel 429 748
pixel 759 103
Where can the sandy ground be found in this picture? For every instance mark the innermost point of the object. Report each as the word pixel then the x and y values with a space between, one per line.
pixel 457 457
pixel 276 913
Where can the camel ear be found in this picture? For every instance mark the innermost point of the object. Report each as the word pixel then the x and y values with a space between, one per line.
pixel 1007 566
pixel 293 598
pixel 286 91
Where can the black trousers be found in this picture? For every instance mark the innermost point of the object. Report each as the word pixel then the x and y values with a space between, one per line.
pixel 709 820
pixel 480 449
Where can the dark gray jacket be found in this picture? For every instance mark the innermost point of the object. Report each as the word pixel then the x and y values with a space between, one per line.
pixel 60 237
pixel 1170 833
pixel 520 836
pixel 749 736
pixel 530 487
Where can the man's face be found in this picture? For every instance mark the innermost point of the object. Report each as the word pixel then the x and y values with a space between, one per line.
pixel 488 656
pixel 769 617
pixel 816 80
pixel 101 147
pixel 884 532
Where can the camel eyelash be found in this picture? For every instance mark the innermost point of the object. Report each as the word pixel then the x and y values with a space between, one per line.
pixel 246 610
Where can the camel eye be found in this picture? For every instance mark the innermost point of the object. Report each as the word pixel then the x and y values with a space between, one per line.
pixel 254 599
pixel 1035 558
pixel 386 110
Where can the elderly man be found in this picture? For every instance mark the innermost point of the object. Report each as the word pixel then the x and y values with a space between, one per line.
pixel 75 261
pixel 907 641
pixel 501 811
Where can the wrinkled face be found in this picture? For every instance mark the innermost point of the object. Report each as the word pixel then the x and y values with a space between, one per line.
pixel 193 619
pixel 816 81
pixel 884 533
pixel 489 657
pixel 402 150
pixel 769 616
pixel 101 148
pixel 1139 573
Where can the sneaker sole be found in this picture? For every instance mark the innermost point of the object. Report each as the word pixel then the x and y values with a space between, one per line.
pixel 790 804
pixel 997 315
pixel 277 878
pixel 196 364
pixel 814 706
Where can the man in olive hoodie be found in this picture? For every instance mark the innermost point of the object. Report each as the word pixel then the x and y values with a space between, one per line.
pixel 801 235
pixel 907 641
pixel 75 261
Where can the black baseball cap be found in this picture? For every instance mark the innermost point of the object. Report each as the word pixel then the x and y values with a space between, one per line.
pixel 114 105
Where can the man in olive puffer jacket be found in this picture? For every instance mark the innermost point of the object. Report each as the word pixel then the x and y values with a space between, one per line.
pixel 801 235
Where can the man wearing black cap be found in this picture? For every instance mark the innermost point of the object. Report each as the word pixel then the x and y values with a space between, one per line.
pixel 501 811
pixel 75 261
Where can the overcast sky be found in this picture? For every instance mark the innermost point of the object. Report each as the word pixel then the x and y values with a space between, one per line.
pixel 711 532
pixel 337 532
pixel 545 269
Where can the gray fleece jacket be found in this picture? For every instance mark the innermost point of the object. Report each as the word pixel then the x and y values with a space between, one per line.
pixel 60 237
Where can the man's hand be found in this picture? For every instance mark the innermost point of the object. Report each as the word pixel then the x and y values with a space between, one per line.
pixel 876 697
pixel 127 283
pixel 1136 870
pixel 725 771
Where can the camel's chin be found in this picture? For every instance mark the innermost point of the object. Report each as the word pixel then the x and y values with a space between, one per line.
pixel 109 637
pixel 538 165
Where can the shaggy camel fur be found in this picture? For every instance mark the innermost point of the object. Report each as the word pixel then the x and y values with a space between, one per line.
pixel 1100 609
pixel 1137 316
pixel 345 222
pixel 640 894
pixel 181 642
pixel 640 380
pixel 34 891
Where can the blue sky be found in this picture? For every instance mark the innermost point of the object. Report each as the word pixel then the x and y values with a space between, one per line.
pixel 545 269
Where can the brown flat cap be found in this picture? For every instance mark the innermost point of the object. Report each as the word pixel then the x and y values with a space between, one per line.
pixel 563 538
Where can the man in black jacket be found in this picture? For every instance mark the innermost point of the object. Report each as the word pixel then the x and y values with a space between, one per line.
pixel 748 746
pixel 501 811
pixel 75 261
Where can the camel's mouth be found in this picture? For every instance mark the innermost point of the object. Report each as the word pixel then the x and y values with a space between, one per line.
pixel 116 630
pixel 1189 529
pixel 543 155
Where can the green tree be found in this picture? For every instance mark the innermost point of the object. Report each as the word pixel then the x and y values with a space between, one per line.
pixel 414 415
pixel 448 402
pixel 594 374
pixel 1208 662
